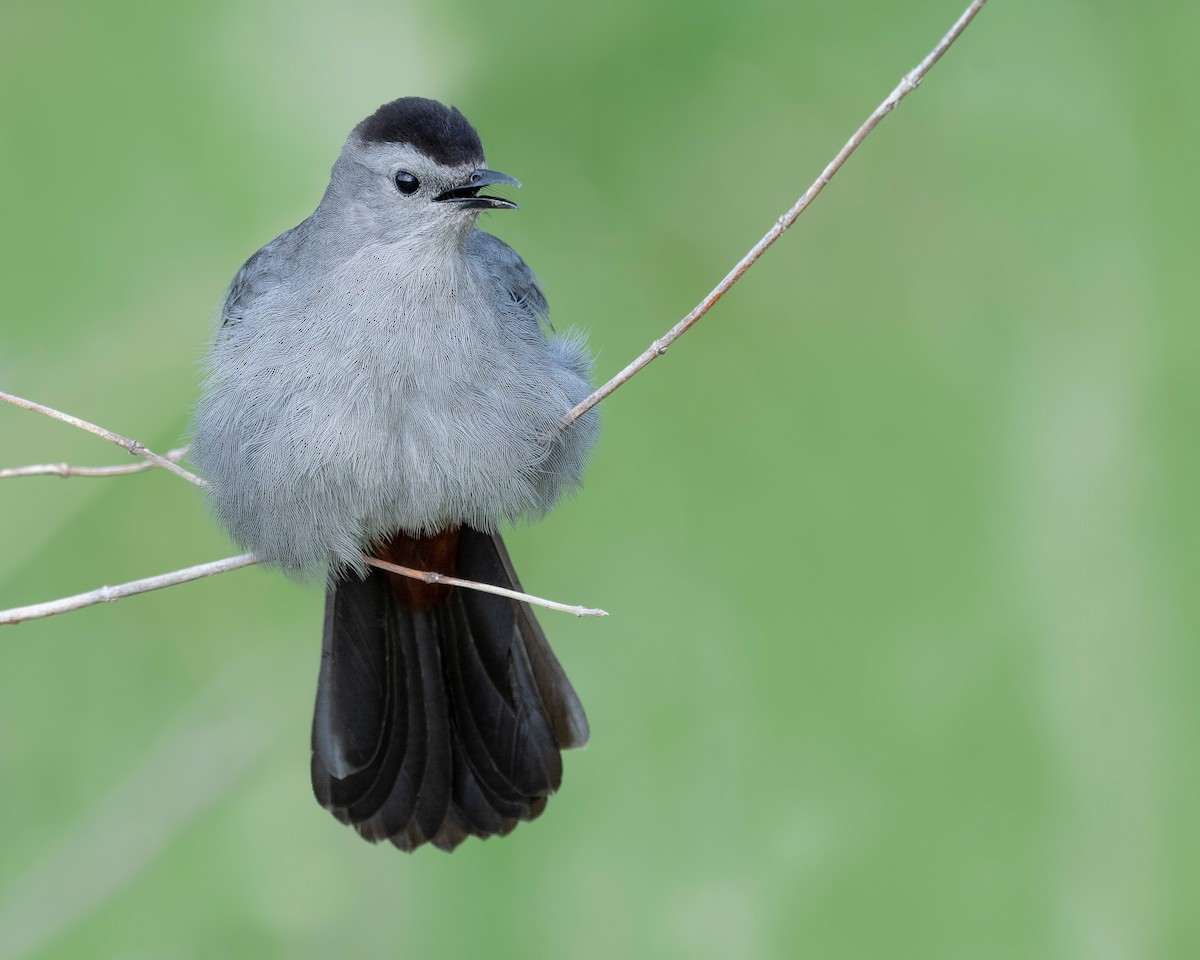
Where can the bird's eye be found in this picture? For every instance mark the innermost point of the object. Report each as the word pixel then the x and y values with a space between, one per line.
pixel 406 182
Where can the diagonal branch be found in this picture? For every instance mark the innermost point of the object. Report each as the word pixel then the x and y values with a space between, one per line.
pixel 908 83
pixel 36 611
pixel 428 576
pixel 133 447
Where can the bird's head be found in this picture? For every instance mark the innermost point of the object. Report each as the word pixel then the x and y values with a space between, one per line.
pixel 415 167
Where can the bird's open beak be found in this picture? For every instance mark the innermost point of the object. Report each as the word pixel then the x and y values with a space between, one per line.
pixel 467 195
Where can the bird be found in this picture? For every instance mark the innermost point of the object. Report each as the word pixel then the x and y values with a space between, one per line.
pixel 384 381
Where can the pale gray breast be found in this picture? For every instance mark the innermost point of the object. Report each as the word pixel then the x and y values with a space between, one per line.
pixel 385 391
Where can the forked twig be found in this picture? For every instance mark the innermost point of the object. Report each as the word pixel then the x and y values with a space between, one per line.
pixel 133 447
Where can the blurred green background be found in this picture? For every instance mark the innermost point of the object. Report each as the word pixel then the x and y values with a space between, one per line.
pixel 899 544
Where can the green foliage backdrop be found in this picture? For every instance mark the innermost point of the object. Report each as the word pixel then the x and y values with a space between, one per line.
pixel 900 544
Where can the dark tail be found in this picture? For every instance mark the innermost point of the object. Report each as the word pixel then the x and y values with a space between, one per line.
pixel 440 711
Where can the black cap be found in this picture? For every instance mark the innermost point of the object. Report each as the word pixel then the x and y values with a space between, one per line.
pixel 436 130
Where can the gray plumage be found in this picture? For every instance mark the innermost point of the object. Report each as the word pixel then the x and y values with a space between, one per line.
pixel 381 382
pixel 382 367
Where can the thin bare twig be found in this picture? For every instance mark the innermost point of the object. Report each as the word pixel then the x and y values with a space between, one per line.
pixel 908 83
pixel 428 576
pixel 133 447
pixel 107 594
pixel 66 470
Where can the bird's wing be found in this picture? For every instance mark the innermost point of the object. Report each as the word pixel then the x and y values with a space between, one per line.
pixel 263 272
pixel 501 263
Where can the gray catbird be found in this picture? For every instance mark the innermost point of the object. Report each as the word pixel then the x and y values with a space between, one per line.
pixel 381 382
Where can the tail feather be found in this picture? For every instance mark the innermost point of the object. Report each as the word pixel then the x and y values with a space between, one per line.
pixel 349 720
pixel 387 804
pixel 363 697
pixel 566 713
pixel 440 713
pixel 488 728
pixel 433 794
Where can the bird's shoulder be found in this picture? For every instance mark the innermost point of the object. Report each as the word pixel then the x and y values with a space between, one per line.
pixel 265 270
pixel 502 265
